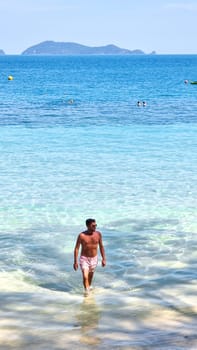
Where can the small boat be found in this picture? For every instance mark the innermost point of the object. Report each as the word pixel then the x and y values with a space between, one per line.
pixel 193 82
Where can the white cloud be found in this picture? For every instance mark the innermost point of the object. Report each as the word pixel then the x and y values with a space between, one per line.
pixel 182 6
pixel 11 6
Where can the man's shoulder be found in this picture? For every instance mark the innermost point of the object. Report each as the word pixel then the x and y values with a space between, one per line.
pixel 98 233
pixel 82 233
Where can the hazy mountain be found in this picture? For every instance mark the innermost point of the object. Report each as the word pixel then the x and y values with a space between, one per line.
pixel 67 48
pixel 2 52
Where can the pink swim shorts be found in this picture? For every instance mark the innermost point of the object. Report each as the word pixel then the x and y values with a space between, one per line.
pixel 88 263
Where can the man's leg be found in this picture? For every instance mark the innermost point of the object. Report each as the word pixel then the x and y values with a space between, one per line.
pixel 90 277
pixel 85 273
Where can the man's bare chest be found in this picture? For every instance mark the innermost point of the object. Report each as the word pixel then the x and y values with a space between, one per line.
pixel 91 240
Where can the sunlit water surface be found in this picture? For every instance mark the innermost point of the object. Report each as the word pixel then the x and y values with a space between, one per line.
pixel 132 168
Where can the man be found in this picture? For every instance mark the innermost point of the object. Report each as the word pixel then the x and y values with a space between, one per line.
pixel 89 241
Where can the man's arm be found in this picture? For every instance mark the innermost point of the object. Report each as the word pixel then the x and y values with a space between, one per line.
pixel 76 251
pixel 102 251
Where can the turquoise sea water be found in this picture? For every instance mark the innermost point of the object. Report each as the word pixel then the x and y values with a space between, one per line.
pixel 132 168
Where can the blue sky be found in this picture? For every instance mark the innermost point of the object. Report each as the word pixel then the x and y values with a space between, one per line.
pixel 166 26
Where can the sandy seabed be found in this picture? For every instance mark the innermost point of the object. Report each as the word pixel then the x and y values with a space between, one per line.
pixel 34 318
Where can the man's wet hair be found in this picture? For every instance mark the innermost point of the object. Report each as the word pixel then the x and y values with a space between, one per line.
pixel 90 221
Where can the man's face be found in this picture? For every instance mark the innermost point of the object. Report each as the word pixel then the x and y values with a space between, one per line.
pixel 92 227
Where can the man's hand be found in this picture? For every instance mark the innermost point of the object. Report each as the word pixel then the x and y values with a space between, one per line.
pixel 75 266
pixel 103 262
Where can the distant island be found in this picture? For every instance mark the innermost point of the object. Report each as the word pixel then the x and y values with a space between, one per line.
pixel 2 52
pixel 69 48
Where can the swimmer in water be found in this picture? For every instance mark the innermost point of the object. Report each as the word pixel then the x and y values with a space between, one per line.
pixel 71 101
